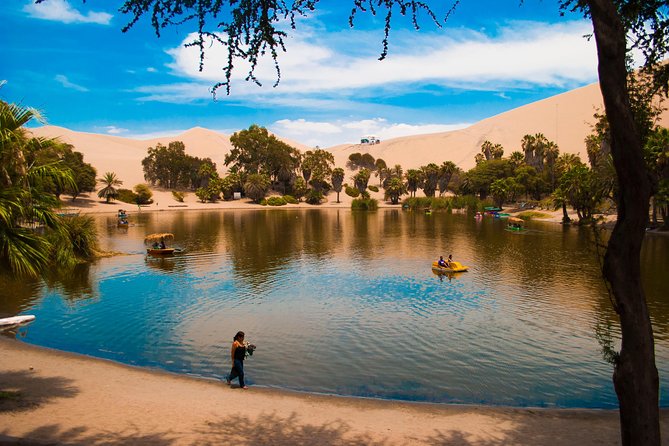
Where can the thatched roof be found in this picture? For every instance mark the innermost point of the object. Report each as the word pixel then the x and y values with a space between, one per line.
pixel 515 220
pixel 166 236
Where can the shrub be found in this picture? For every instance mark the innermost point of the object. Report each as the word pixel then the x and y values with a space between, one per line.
pixel 373 188
pixel 529 215
pixel 274 201
pixel 364 204
pixel 178 196
pixel 290 199
pixel 127 196
pixel 352 192
pixel 314 196
pixel 144 194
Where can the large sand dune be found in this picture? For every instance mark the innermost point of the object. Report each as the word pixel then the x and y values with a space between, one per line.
pixel 566 119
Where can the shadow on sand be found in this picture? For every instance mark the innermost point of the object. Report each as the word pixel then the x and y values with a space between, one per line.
pixel 24 390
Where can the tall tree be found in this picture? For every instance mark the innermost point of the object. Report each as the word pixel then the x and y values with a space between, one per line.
pixel 337 180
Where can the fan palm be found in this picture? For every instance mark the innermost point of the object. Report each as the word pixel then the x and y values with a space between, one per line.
pixel 109 192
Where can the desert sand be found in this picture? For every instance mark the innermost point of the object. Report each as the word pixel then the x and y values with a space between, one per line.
pixel 62 398
pixel 565 118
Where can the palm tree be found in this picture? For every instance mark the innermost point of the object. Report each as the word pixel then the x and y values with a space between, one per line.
pixel 109 192
pixel 446 171
pixel 256 186
pixel 395 189
pixel 337 180
pixel 431 175
pixel 25 202
pixel 361 180
pixel 414 179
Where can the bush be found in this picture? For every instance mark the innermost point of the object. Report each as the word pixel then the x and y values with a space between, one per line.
pixel 469 202
pixel 314 197
pixel 529 215
pixel 352 192
pixel 373 188
pixel 290 199
pixel 364 204
pixel 273 201
pixel 178 196
pixel 127 196
pixel 144 194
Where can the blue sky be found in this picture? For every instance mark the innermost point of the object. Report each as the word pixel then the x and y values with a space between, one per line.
pixel 70 60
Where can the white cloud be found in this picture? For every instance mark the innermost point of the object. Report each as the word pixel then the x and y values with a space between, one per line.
pixel 113 130
pixel 62 11
pixel 327 134
pixel 522 54
pixel 63 80
pixel 151 70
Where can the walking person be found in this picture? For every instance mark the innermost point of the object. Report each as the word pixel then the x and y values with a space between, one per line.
pixel 237 354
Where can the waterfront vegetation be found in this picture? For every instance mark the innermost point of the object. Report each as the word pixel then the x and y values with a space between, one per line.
pixel 33 237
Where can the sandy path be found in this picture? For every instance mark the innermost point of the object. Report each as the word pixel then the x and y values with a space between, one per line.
pixel 66 398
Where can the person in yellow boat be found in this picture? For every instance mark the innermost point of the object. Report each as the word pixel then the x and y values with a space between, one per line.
pixel 450 260
pixel 442 262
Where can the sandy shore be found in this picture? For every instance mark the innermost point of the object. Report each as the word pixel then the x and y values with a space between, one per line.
pixel 163 201
pixel 55 397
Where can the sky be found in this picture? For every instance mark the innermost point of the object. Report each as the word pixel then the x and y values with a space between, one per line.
pixel 70 60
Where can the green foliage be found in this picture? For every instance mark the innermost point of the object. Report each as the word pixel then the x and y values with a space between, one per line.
pixel 314 196
pixel 364 204
pixel 255 151
pixel 290 199
pixel 394 189
pixel 361 161
pixel 529 215
pixel 317 166
pixel 76 239
pixel 274 201
pixel 256 187
pixel 469 202
pixel 170 167
pixel 361 180
pixel 202 194
pixel 178 196
pixel 373 188
pixel 582 190
pixel 299 188
pixel 352 192
pixel 337 180
pixel 109 192
pixel 83 174
pixel 126 196
pixel 144 194
pixel 479 179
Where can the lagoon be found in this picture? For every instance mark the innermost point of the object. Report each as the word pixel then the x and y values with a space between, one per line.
pixel 345 303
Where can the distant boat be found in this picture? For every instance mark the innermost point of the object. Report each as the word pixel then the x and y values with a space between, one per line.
pixel 515 224
pixel 68 212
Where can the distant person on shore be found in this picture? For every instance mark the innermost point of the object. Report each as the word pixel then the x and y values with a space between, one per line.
pixel 237 354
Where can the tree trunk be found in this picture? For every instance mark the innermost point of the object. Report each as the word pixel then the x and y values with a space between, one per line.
pixel 565 215
pixel 635 375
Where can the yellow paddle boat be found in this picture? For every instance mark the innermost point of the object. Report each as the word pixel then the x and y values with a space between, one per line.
pixel 455 267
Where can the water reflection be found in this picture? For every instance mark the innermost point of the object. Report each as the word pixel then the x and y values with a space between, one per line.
pixel 349 291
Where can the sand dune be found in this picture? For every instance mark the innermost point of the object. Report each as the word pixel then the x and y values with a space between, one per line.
pixel 566 119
